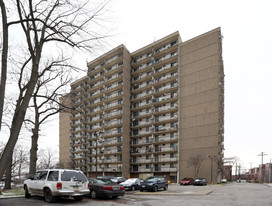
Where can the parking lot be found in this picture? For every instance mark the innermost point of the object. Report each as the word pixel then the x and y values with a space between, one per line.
pixel 222 194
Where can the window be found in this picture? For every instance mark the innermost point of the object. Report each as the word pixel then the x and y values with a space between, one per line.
pixel 53 176
pixel 173 64
pixel 148 101
pixel 173 165
pixel 76 175
pixel 173 84
pixel 172 155
pixel 173 178
pixel 173 43
pixel 119 129
pixel 119 139
pixel 135 132
pixel 173 145
pixel 40 175
pixel 119 158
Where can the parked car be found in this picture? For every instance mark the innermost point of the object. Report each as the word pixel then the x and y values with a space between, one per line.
pixel 105 188
pixel 224 180
pixel 154 184
pixel 131 184
pixel 187 181
pixel 118 180
pixel 200 181
pixel 53 183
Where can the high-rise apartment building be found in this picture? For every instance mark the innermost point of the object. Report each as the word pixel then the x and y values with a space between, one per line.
pixel 156 111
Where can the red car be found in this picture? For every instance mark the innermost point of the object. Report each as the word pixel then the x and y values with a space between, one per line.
pixel 187 181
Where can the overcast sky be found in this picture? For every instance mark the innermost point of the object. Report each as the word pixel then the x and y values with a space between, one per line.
pixel 247 31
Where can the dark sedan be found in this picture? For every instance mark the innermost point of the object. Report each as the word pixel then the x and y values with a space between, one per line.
pixel 105 188
pixel 200 181
pixel 153 184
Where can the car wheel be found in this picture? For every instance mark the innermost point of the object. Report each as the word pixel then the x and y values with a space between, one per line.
pixel 166 187
pixel 114 197
pixel 27 195
pixel 155 189
pixel 141 190
pixel 132 188
pixel 78 198
pixel 48 196
pixel 93 194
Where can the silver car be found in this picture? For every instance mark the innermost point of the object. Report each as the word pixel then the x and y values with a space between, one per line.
pixel 53 183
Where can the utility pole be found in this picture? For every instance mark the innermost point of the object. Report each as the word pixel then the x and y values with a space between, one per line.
pixel 269 181
pixel 261 172
pixel 236 171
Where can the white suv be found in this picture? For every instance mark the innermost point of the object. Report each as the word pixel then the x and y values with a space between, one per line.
pixel 53 183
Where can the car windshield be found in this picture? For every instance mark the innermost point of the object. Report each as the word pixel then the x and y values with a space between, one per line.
pixel 186 178
pixel 152 180
pixel 73 175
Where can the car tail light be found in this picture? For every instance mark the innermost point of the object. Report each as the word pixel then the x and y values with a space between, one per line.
pixel 59 186
pixel 122 188
pixel 88 185
pixel 107 188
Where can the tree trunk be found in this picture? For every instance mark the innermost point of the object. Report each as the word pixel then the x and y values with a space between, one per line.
pixel 18 118
pixel 8 174
pixel 33 150
pixel 4 59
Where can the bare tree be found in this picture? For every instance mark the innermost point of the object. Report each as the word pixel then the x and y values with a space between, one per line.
pixel 20 161
pixel 45 102
pixel 195 161
pixel 47 159
pixel 4 58
pixel 16 164
pixel 63 22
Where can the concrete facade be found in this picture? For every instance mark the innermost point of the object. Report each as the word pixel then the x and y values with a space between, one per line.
pixel 156 111
pixel 64 132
